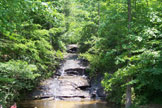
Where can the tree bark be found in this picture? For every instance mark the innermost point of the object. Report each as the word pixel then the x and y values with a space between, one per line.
pixel 98 13
pixel 129 15
pixel 147 2
pixel 135 5
pixel 128 95
pixel 128 89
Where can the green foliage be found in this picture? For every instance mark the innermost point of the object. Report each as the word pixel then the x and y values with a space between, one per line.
pixel 31 45
pixel 15 76
pixel 11 14
pixel 120 53
pixel 34 34
pixel 81 15
pixel 139 58
pixel 88 36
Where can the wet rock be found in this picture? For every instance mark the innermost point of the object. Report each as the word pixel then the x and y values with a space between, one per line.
pixel 72 48
pixel 70 82
pixel 101 92
pixel 96 88
pixel 72 62
pixel 64 87
pixel 75 71
pixel 75 81
pixel 57 74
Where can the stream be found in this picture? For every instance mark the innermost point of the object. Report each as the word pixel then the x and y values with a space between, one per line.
pixel 70 87
pixel 64 104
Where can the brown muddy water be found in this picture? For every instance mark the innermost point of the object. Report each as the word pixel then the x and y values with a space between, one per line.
pixel 64 104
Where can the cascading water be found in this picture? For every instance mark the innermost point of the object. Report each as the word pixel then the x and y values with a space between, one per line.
pixel 69 83
pixel 63 71
pixel 56 88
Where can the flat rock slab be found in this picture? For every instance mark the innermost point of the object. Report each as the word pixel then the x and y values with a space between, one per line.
pixel 72 46
pixel 75 81
pixel 63 86
pixel 72 61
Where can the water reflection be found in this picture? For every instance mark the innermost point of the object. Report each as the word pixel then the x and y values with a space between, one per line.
pixel 64 104
pixel 94 105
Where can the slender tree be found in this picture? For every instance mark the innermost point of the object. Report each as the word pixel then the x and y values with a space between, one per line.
pixel 99 12
pixel 128 89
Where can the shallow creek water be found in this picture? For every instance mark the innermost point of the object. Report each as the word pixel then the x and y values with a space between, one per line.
pixel 64 104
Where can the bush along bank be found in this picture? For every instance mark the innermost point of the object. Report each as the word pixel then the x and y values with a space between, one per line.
pixel 31 47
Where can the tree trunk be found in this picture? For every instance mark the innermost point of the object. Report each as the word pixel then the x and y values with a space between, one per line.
pixel 147 2
pixel 135 5
pixel 128 96
pixel 128 90
pixel 129 15
pixel 98 13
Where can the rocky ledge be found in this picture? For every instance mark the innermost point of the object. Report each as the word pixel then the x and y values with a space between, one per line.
pixel 70 82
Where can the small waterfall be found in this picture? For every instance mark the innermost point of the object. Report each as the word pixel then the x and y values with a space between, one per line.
pixel 56 87
pixel 70 82
pixel 63 71
pixel 55 93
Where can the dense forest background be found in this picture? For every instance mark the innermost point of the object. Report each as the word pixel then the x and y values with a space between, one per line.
pixel 121 39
